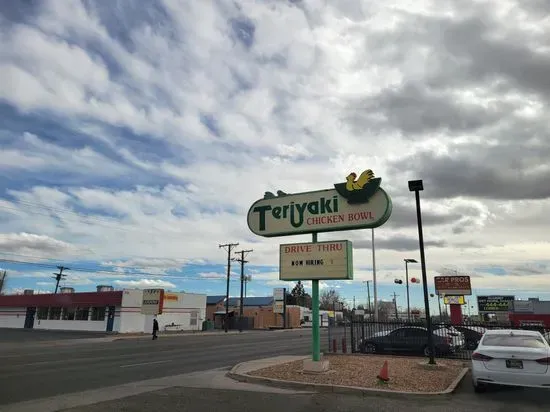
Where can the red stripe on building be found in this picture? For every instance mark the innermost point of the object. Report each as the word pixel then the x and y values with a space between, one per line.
pixel 85 299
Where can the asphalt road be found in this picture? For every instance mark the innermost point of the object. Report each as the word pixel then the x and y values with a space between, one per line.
pixel 201 399
pixel 32 372
pixel 34 335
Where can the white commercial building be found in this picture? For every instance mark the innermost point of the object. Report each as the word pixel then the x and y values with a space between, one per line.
pixel 104 310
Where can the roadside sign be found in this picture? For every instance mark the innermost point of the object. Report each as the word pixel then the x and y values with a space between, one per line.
pixel 495 303
pixel 278 306
pixel 279 294
pixel 452 285
pixel 524 306
pixel 454 300
pixel 152 302
pixel 321 260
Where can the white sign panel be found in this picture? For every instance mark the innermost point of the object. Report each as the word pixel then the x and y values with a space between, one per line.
pixel 321 260
pixel 152 302
pixel 320 211
pixel 278 306
pixel 279 294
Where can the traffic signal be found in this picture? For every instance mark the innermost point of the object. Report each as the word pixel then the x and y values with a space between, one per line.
pixel 415 280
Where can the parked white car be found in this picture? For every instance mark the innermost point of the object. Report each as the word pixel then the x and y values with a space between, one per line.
pixel 511 357
pixel 455 335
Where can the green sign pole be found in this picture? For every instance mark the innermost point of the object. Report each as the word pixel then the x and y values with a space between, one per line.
pixel 316 330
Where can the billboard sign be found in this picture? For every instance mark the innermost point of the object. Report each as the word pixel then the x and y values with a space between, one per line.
pixel 495 303
pixel 452 285
pixel 152 302
pixel 358 203
pixel 320 260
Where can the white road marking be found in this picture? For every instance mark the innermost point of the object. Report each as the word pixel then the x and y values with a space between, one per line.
pixel 145 363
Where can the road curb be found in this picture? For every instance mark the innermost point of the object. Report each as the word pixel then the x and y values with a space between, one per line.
pixel 123 336
pixel 341 389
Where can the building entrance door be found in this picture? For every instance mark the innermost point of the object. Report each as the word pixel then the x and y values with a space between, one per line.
pixel 29 318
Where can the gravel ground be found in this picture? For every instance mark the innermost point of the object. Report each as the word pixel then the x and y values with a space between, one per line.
pixel 406 373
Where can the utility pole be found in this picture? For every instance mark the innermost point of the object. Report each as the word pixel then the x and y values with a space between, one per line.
pixel 229 248
pixel 354 303
pixel 59 276
pixel 242 262
pixel 395 303
pixel 2 281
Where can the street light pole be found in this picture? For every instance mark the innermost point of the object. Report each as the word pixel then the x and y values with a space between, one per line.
pixel 374 279
pixel 407 261
pixel 416 186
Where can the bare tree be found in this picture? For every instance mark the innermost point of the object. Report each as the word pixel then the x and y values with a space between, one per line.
pixel 328 298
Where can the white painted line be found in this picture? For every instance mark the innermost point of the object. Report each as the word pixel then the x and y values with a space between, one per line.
pixel 145 363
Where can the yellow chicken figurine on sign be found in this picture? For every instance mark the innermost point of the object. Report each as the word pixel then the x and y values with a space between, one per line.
pixel 364 178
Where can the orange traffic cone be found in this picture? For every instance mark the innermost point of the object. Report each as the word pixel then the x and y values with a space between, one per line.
pixel 384 375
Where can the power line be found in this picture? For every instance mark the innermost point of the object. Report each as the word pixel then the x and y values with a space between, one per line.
pixel 228 247
pixel 91 271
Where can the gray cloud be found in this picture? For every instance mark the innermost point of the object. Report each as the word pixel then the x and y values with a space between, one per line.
pixel 398 243
pixel 404 215
pixel 414 109
pixel 488 58
pixel 473 171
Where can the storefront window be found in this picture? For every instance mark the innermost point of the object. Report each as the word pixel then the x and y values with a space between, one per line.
pixel 68 314
pixel 42 313
pixel 98 313
pixel 82 313
pixel 55 313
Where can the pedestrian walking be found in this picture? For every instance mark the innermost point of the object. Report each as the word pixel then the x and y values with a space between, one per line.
pixel 155 328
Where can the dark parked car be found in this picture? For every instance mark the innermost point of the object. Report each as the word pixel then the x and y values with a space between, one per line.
pixel 406 339
pixel 472 335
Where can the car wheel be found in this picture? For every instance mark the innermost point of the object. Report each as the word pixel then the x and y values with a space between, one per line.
pixel 369 348
pixel 479 387
pixel 427 352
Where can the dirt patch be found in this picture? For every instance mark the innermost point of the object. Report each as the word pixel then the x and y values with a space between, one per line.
pixel 406 373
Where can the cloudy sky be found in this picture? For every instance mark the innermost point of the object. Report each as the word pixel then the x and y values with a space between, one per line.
pixel 135 136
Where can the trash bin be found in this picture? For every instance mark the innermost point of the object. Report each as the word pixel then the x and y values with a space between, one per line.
pixel 207 325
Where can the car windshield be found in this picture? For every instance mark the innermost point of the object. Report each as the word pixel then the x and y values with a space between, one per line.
pixel 525 341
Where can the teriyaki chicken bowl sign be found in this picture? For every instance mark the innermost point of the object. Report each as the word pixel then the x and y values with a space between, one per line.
pixel 357 204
